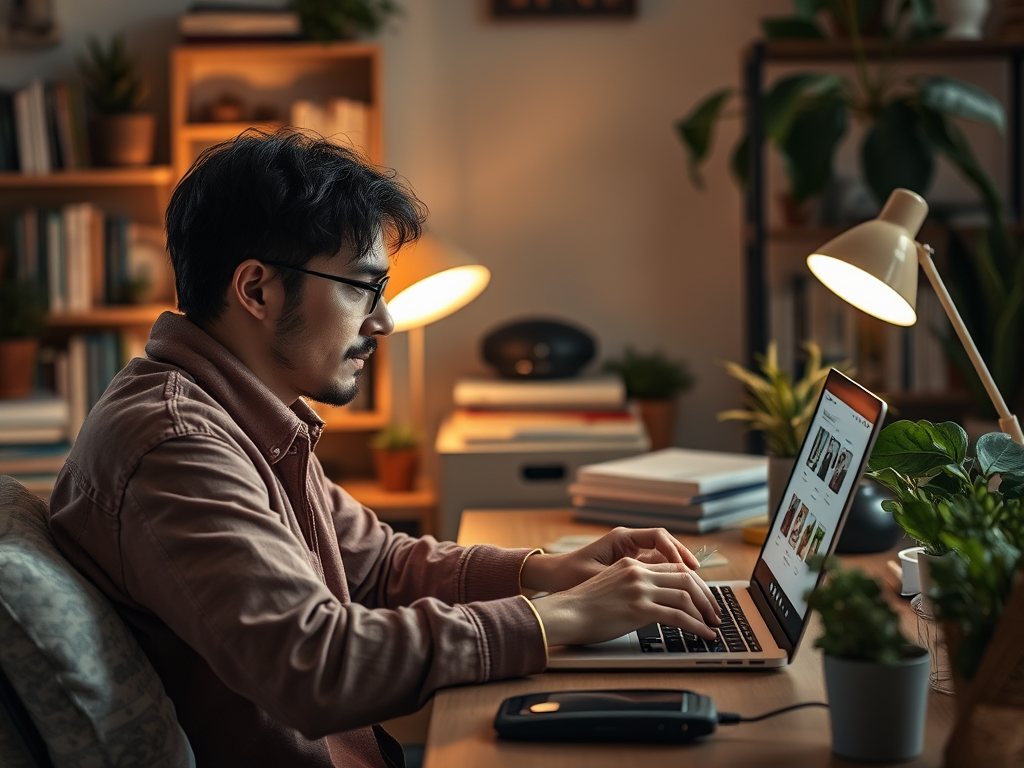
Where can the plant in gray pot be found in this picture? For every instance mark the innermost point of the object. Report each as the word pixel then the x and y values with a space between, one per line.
pixel 876 680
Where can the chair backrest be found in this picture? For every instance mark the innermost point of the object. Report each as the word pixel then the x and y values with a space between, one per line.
pixel 79 673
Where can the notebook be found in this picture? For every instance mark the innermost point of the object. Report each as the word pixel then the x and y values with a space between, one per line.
pixel 765 617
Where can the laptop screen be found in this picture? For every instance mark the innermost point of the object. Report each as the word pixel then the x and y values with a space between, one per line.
pixel 819 494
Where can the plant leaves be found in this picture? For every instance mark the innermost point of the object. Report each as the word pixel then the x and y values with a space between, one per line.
pixel 1011 486
pixel 792 28
pixel 696 130
pixel 810 144
pixel 959 99
pixel 911 449
pixel 950 435
pixel 998 453
pixel 895 153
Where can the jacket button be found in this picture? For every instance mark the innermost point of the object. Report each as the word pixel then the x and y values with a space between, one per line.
pixel 276 451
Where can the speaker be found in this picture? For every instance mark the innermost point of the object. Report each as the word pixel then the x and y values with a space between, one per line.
pixel 538 349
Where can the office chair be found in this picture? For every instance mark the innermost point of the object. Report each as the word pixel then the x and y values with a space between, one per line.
pixel 75 687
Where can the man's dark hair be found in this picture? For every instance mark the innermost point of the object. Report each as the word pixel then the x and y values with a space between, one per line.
pixel 288 196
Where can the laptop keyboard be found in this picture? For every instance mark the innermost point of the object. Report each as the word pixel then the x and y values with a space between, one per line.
pixel 735 634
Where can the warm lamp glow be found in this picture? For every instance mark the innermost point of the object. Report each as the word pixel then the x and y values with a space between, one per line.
pixel 437 296
pixel 864 291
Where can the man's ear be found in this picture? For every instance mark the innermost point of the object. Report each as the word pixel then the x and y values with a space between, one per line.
pixel 256 291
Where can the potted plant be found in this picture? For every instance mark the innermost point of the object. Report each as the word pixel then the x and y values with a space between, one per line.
pixel 653 382
pixel 779 408
pixel 396 457
pixel 875 679
pixel 909 123
pixel 22 323
pixel 122 133
pixel 329 20
pixel 970 508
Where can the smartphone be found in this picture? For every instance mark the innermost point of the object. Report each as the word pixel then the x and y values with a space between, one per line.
pixel 647 715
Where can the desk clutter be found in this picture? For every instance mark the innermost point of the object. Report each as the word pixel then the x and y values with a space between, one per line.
pixel 518 443
pixel 681 489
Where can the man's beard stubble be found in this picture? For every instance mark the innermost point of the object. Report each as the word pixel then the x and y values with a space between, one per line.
pixel 291 326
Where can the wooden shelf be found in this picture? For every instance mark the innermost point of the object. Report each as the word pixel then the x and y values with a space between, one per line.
pixel 114 316
pixel 223 131
pixel 842 50
pixel 89 178
pixel 419 504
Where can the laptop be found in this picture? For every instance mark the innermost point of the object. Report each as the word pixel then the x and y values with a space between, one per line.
pixel 764 618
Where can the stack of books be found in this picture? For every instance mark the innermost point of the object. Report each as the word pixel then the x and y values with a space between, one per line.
pixel 584 409
pixel 227 22
pixel 43 128
pixel 34 440
pixel 680 489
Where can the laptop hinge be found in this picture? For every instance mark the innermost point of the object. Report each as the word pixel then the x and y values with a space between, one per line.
pixel 765 609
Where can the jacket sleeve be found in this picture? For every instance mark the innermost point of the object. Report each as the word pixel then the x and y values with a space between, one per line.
pixel 388 570
pixel 211 559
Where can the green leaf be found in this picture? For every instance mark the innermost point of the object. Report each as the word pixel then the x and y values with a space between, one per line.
pixel 924 13
pixel 792 28
pixel 951 436
pixel 696 130
pixel 1011 486
pixel 948 140
pixel 808 9
pixel 954 97
pixel 895 482
pixel 895 153
pixel 998 453
pixel 810 145
pixel 791 93
pixel 912 449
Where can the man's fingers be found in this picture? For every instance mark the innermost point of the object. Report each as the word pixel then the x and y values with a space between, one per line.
pixel 690 584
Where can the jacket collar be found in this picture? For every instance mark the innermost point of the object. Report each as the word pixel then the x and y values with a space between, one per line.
pixel 271 424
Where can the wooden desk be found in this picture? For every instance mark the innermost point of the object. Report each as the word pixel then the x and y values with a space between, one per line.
pixel 461 732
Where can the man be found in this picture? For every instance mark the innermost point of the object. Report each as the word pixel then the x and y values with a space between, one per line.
pixel 284 619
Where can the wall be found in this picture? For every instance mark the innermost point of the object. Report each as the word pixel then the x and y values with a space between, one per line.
pixel 547 150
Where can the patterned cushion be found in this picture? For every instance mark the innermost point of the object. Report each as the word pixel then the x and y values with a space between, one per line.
pixel 92 693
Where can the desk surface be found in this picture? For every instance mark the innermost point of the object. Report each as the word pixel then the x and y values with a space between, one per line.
pixel 461 733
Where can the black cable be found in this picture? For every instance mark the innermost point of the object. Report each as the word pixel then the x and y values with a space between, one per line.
pixel 732 718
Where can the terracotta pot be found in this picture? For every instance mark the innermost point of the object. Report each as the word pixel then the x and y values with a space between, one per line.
pixel 17 367
pixel 659 418
pixel 396 470
pixel 124 140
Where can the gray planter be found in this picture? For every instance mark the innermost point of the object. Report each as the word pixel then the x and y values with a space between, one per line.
pixel 877 711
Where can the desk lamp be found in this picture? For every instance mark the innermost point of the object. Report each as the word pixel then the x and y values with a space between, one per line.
pixel 874 267
pixel 431 279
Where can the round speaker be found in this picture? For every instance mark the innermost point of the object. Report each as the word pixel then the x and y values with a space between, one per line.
pixel 538 349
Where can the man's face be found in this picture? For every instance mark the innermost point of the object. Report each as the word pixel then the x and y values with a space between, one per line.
pixel 322 344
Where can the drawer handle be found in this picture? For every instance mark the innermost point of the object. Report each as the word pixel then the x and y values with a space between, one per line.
pixel 544 472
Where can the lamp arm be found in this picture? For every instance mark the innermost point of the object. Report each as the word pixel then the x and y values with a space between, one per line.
pixel 1007 421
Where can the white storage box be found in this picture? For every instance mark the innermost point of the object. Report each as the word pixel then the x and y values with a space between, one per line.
pixel 513 475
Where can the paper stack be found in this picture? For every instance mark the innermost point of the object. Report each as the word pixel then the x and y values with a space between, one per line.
pixel 584 409
pixel 680 489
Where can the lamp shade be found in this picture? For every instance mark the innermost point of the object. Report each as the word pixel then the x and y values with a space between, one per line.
pixel 874 265
pixel 431 279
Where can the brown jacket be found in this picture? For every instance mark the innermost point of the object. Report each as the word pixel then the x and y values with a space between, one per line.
pixel 282 616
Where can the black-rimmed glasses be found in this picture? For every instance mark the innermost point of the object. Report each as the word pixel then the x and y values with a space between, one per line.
pixel 377 289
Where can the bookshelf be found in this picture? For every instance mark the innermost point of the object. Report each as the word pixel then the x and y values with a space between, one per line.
pixel 773 252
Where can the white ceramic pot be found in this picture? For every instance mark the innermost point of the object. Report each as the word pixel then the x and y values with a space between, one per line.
pixel 964 19
pixel 877 711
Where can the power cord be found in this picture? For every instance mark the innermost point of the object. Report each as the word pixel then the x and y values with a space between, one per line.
pixel 732 718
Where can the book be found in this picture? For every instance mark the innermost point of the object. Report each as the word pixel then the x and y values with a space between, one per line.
pixel 678 472
pixel 582 392
pixel 699 506
pixel 27 435
pixel 481 426
pixel 670 522
pixel 42 458
pixel 230 21
pixel 39 410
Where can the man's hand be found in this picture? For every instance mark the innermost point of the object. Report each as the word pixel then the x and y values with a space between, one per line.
pixel 626 595
pixel 555 573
